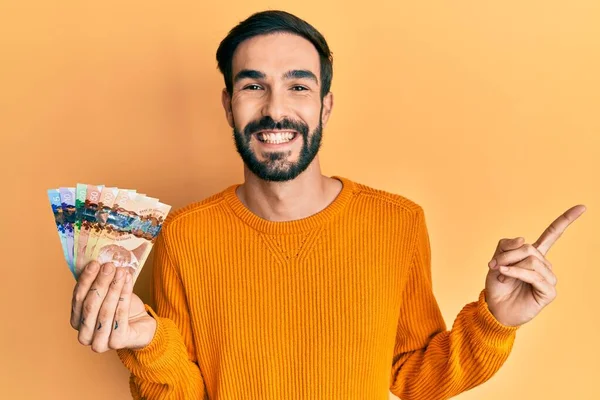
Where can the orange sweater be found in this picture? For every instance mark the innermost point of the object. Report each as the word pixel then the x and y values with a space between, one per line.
pixel 338 305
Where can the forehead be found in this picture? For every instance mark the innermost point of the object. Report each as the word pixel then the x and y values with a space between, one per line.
pixel 275 54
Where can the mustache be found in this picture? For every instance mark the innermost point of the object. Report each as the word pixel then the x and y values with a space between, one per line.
pixel 267 123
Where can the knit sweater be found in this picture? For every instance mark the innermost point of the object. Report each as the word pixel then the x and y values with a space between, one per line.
pixel 338 305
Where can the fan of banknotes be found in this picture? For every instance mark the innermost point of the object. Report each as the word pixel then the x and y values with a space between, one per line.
pixel 106 224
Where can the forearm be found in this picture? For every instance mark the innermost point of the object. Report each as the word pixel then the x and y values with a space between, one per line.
pixel 456 360
pixel 163 369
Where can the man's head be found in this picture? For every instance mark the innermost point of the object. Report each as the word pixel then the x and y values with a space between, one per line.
pixel 277 70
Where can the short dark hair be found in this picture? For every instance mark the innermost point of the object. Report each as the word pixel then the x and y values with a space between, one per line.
pixel 273 21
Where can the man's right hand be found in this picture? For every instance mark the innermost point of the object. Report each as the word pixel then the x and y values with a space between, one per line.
pixel 106 312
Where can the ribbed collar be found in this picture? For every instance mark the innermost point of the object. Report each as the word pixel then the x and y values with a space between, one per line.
pixel 294 226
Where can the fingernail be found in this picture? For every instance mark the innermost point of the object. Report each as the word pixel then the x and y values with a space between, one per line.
pixel 492 263
pixel 107 269
pixel 128 279
pixel 93 266
pixel 503 269
pixel 119 273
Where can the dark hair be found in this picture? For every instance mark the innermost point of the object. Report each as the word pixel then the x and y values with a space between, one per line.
pixel 272 21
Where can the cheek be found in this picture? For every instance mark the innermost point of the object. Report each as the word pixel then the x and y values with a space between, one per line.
pixel 310 113
pixel 244 110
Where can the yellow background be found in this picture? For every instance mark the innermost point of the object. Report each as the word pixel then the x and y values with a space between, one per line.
pixel 484 112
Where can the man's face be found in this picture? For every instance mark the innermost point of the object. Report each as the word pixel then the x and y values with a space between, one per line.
pixel 275 109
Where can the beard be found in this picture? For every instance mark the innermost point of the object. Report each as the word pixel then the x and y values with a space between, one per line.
pixel 276 166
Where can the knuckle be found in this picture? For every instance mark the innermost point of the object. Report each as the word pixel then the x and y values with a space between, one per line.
pixel 103 315
pixel 114 287
pixel 88 307
pixel 99 348
pixel 121 314
pixel 77 287
pixel 79 292
pixel 83 340
pixel 79 297
pixel 533 260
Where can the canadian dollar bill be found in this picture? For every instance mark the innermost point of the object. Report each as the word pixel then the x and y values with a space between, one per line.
pixel 54 198
pixel 152 226
pixel 88 220
pixel 80 192
pixel 122 244
pixel 67 199
pixel 108 195
pixel 106 224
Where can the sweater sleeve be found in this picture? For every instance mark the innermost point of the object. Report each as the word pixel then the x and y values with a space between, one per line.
pixel 167 367
pixel 430 362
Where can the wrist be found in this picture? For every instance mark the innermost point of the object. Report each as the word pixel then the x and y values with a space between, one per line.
pixel 147 326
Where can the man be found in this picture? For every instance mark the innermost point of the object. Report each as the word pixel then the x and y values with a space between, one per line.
pixel 294 285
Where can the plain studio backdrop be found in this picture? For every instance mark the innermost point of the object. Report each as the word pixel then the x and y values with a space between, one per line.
pixel 485 113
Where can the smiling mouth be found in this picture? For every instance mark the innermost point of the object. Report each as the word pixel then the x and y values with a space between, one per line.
pixel 276 137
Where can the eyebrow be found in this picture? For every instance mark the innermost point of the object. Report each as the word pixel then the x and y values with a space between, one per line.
pixel 293 74
pixel 300 74
pixel 248 74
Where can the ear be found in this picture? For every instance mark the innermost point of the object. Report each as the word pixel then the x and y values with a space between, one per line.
pixel 226 102
pixel 327 107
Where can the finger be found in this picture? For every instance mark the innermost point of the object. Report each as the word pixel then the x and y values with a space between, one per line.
pixel 120 327
pixel 512 257
pixel 93 301
pixel 508 244
pixel 81 289
pixel 532 263
pixel 557 227
pixel 107 311
pixel 504 245
pixel 546 273
pixel 534 278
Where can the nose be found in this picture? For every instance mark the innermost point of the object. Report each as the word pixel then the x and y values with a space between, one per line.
pixel 275 106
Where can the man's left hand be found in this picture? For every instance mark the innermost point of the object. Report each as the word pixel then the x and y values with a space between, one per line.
pixel 520 281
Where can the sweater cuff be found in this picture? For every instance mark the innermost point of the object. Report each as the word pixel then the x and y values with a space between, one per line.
pixel 489 332
pixel 152 356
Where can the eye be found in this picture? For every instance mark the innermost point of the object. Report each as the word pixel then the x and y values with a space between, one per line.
pixel 252 87
pixel 298 88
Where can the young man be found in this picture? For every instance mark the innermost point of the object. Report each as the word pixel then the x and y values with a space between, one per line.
pixel 294 285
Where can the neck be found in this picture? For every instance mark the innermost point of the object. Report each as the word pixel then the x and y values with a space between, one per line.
pixel 306 195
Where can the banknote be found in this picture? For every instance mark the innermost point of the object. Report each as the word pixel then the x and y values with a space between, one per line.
pixel 67 200
pixel 88 219
pixel 106 224
pixel 151 227
pixel 107 198
pixel 54 197
pixel 123 245
pixel 80 192
pixel 105 218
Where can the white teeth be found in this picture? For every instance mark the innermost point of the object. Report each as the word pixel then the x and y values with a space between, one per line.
pixel 276 138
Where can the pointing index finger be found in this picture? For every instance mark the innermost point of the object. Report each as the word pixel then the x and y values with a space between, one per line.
pixel 557 227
